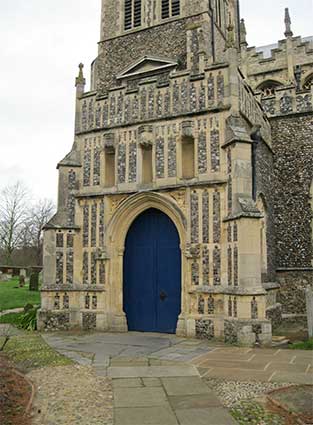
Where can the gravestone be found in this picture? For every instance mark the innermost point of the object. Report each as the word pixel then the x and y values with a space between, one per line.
pixel 22 281
pixel 34 282
pixel 309 309
pixel 23 273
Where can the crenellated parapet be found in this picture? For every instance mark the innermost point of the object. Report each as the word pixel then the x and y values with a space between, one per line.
pixel 287 101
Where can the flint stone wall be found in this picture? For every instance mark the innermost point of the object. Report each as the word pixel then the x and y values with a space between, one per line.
pixel 167 40
pixel 291 294
pixel 293 175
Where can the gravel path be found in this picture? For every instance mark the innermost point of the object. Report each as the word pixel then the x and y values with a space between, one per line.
pixel 71 395
pixel 231 392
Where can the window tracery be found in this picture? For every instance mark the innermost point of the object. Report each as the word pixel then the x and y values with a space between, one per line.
pixel 308 83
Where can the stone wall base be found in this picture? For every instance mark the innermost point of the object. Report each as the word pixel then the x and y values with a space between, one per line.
pixel 58 320
pixel 231 331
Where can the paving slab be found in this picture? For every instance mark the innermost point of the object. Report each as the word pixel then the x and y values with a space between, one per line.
pixel 184 386
pixel 252 366
pixel 152 371
pixel 152 382
pixel 297 378
pixel 145 416
pixel 198 401
pixel 287 367
pixel 209 416
pixel 139 397
pixel 238 374
pixel 127 383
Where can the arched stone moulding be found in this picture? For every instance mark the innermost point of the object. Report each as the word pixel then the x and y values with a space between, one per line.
pixel 116 234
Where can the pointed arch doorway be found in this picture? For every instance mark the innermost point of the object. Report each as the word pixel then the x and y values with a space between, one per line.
pixel 152 274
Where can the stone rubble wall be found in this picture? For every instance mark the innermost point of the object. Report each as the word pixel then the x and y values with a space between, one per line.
pixel 293 177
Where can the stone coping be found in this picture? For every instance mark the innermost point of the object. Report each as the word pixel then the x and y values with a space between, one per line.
pixel 228 290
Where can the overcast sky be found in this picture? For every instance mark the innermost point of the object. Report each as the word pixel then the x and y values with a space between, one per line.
pixel 42 42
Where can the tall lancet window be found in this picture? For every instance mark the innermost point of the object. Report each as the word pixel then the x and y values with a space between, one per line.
pixel 170 8
pixel 132 14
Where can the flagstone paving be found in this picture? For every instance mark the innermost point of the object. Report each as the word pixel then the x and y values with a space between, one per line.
pixel 157 378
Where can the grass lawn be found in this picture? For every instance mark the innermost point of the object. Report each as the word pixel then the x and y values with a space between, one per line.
pixel 306 345
pixel 11 296
pixel 11 318
pixel 29 351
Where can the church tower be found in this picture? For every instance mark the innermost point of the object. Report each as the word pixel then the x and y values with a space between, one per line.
pixel 157 226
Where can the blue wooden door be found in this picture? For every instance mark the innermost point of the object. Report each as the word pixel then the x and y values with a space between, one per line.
pixel 152 274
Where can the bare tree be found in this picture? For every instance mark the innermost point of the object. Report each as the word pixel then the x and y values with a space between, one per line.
pixel 14 202
pixel 39 215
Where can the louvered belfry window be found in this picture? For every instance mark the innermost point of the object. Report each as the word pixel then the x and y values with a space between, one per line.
pixel 170 8
pixel 132 14
pixel 175 7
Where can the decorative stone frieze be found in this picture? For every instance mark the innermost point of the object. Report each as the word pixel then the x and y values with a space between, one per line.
pixel 87 163
pixel 216 266
pixel 236 266
pixel 93 269
pixel 211 305
pixel 121 163
pixel 60 240
pixel 229 233
pixel 205 217
pixel 202 153
pixel 85 225
pixel 86 268
pixel 102 273
pixel 230 195
pixel 87 301
pixel 59 267
pixel 66 301
pixel 57 305
pixel 172 166
pixel 94 302
pixel 230 306
pixel 205 266
pixel 194 217
pixel 230 265
pixel 201 305
pixel 101 224
pixel 215 150
pixel 195 273
pixel 91 114
pixel 220 86
pixel 69 267
pixel 216 217
pixel 159 152
pixel 93 226
pixel 235 307
pixel 96 166
pixel 286 104
pixel 235 232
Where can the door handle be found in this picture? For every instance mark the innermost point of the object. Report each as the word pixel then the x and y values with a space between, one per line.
pixel 163 296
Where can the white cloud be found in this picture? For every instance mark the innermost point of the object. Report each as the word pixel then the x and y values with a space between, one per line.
pixel 42 43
